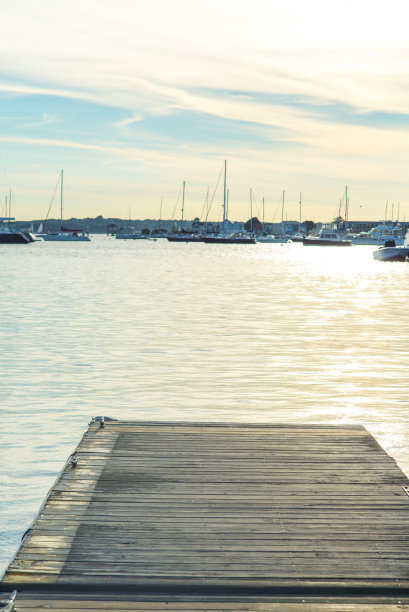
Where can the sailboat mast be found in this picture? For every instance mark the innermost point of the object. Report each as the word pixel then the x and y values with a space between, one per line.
pixel 207 206
pixel 346 205
pixel 251 210
pixel 263 216
pixel 224 197
pixel 62 181
pixel 300 207
pixel 160 214
pixel 282 212
pixel 183 204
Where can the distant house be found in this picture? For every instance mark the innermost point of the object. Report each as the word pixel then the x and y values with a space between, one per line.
pixel 253 225
pixel 235 226
pixel 196 226
pixel 291 227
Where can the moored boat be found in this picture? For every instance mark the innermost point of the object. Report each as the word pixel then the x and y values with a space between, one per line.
pixel 233 238
pixel 13 235
pixel 184 237
pixel 326 238
pixel 273 239
pixel 65 234
pixel 392 252
pixel 379 234
pixel 130 236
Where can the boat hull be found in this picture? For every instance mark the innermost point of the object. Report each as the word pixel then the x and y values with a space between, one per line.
pixel 15 238
pixel 323 242
pixel 130 237
pixel 266 240
pixel 64 237
pixel 216 240
pixel 391 254
pixel 181 238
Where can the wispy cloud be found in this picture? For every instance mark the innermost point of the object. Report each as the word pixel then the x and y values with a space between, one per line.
pixel 129 153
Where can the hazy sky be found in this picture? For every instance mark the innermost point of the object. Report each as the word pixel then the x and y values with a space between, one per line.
pixel 132 98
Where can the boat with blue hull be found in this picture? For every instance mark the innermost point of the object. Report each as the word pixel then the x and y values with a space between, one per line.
pixel 234 238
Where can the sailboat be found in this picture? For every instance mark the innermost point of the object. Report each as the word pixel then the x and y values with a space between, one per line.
pixel 65 234
pixel 228 238
pixel 270 238
pixel 183 236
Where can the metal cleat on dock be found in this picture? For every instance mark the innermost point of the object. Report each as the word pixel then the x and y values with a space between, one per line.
pixel 7 605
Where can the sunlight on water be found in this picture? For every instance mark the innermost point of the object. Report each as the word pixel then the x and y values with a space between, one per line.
pixel 154 330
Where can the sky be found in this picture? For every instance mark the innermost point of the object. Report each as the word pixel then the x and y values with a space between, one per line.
pixel 131 99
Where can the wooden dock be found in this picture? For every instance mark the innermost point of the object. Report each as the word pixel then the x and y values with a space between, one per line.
pixel 185 516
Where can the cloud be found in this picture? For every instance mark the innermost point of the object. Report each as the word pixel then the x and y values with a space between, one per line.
pixel 148 60
pixel 130 153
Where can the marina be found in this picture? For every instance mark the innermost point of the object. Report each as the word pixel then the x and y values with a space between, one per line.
pixel 219 514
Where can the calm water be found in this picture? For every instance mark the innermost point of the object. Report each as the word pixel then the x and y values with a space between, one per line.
pixel 153 330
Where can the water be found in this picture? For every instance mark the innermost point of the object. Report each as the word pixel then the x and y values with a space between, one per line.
pixel 154 330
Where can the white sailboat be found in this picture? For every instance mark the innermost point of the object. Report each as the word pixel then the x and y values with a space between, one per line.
pixel 270 238
pixel 65 234
pixel 183 236
pixel 232 237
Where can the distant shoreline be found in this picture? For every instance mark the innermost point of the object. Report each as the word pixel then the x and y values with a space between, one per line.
pixel 101 225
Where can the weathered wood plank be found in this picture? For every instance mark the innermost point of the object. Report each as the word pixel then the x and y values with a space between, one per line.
pixel 223 606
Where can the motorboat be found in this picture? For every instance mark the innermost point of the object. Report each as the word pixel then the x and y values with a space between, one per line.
pixel 378 235
pixel 326 238
pixel 9 234
pixel 273 239
pixel 393 252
